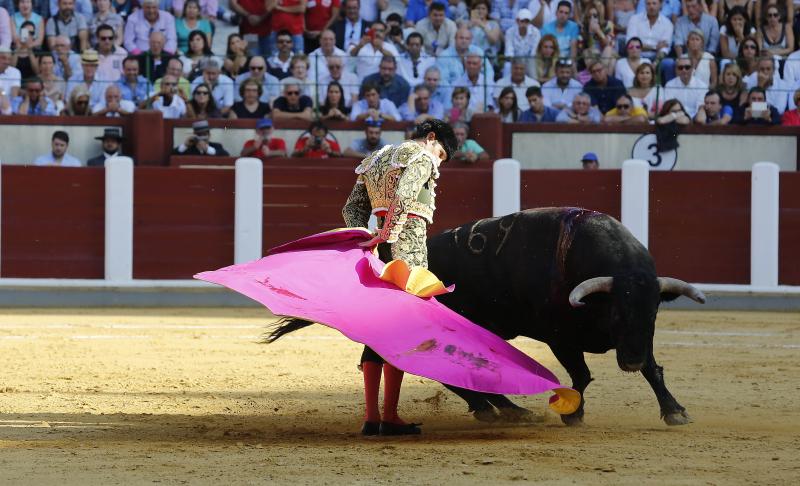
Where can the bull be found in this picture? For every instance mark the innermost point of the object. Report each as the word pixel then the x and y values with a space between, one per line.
pixel 574 279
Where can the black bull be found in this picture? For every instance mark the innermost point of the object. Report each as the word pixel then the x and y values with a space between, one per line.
pixel 574 279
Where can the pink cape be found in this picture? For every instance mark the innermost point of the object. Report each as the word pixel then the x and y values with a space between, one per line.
pixel 328 278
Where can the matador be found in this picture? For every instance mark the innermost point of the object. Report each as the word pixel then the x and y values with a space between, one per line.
pixel 396 184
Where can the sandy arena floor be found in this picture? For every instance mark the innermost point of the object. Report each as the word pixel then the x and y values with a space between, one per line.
pixel 187 396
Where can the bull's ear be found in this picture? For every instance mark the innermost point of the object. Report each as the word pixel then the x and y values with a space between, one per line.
pixel 669 296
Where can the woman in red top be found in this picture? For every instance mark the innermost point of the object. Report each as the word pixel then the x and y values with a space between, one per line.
pixel 287 15
pixel 791 118
pixel 255 20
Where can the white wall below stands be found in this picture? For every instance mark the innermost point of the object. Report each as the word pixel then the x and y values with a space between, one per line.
pixel 21 144
pixel 696 152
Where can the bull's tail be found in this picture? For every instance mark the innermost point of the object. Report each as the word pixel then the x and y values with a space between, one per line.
pixel 284 326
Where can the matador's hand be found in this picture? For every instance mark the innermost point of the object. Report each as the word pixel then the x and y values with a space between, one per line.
pixel 375 241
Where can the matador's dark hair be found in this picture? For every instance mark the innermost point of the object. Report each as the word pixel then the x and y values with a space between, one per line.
pixel 443 131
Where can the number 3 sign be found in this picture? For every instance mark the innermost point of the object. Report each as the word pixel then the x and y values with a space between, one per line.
pixel 645 148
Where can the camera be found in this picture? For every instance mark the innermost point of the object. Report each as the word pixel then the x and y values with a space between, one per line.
pixel 23 35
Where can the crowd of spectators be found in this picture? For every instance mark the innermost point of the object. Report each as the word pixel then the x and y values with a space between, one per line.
pixel 530 61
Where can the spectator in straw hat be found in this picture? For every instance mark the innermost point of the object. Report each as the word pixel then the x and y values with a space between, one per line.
pixel 86 78
pixel 111 140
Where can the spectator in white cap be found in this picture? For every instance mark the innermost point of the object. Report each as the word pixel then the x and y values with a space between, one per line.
pixel 522 39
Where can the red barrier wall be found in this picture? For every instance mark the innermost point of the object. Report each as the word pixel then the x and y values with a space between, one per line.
pixel 789 229
pixel 183 221
pixel 52 218
pixel 700 225
pixel 53 222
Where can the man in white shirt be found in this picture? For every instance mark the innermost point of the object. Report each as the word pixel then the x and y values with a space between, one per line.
pixel 318 59
pixel 559 91
pixel 414 62
pixel 517 80
pixel 655 31
pixel 167 101
pixel 10 77
pixel 779 92
pixel 113 105
pixel 58 155
pixel 685 88
pixel 480 99
pixel 367 54
pixel 348 80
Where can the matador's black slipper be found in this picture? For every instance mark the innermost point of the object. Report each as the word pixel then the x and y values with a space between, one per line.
pixel 388 428
pixel 370 428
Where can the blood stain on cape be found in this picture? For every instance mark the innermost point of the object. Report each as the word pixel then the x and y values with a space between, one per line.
pixel 471 359
pixel 279 290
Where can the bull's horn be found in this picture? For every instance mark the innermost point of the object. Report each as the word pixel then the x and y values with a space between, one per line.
pixel 597 284
pixel 675 286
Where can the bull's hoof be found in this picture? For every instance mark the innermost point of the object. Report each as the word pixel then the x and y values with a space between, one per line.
pixel 573 419
pixel 519 415
pixel 677 418
pixel 486 415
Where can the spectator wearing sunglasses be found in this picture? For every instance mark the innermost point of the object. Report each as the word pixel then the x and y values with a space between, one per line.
pixel 32 100
pixel 685 88
pixel 257 69
pixel 292 105
pixel 110 55
pixel 625 112
pixel 221 85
